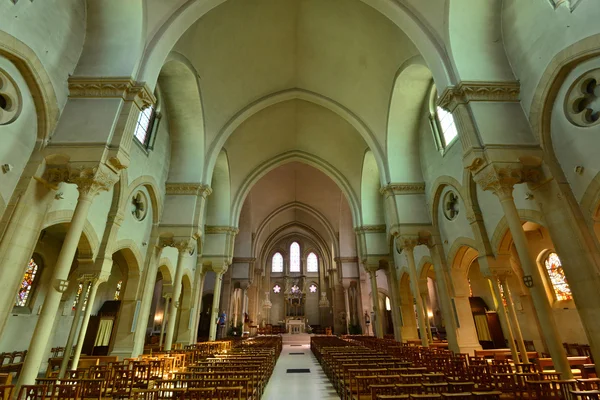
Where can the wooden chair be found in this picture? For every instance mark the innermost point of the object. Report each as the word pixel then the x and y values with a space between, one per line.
pixel 6 391
pixel 92 389
pixel 199 394
pixel 170 394
pixel 409 388
pixel 440 387
pixel 589 384
pixel 564 387
pixel 460 387
pixel 585 395
pixel 542 390
pixel 228 393
pixel 506 383
pixel 491 395
pixel 122 382
pixel 66 392
pixel 363 387
pixel 32 392
pixel 392 397
pixel 457 396
pixel 388 389
pixel 428 396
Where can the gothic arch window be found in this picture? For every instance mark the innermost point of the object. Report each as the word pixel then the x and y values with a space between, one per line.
pixel 557 277
pixel 28 283
pixel 442 122
pixel 117 295
pixel 388 304
pixel 277 263
pixel 295 257
pixel 312 263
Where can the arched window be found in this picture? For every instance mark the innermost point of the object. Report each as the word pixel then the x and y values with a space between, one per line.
pixel 24 294
pixel 442 122
pixel 144 126
pixel 388 304
pixel 312 263
pixel 557 277
pixel 312 288
pixel 295 257
pixel 277 263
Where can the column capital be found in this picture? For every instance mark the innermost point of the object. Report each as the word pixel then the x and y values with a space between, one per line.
pixel 92 180
pixel 184 246
pixel 468 91
pixel 500 178
pixel 407 242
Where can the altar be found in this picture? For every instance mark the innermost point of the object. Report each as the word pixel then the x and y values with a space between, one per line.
pixel 295 325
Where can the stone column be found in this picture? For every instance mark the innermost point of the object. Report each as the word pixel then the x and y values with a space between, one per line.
pixel 514 321
pixel 424 298
pixel 89 183
pixel 347 306
pixel 392 280
pixel 378 323
pixel 244 286
pixel 86 320
pixel 153 259
pixel 74 325
pixel 508 331
pixel 408 245
pixel 184 247
pixel 219 272
pixel 198 309
pixel 501 182
pixel 445 301
pixel 165 320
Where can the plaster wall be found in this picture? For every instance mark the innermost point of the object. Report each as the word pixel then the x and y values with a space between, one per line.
pixel 574 145
pixel 57 45
pixel 18 137
pixel 534 32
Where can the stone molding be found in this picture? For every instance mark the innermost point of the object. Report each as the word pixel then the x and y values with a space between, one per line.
pixel 346 259
pixel 220 229
pixel 188 189
pixel 468 91
pixel 371 229
pixel 242 260
pixel 403 188
pixel 501 178
pixel 111 87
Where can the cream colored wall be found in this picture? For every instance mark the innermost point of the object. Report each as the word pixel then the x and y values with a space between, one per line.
pixel 573 145
pixel 533 33
pixel 54 30
pixel 18 137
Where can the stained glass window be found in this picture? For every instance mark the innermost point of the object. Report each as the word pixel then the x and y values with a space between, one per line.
pixel 312 263
pixel 277 263
pixel 470 288
pixel 79 290
pixel 143 127
pixel 27 284
pixel 447 125
pixel 295 289
pixel 388 305
pixel 502 293
pixel 557 277
pixel 295 257
pixel 276 289
pixel 313 288
pixel 118 291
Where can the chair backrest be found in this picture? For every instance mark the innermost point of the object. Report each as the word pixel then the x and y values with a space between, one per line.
pixel 66 392
pixel 585 394
pixel 200 393
pixel 228 392
pixel 92 388
pixel 6 391
pixel 32 392
pixel 492 395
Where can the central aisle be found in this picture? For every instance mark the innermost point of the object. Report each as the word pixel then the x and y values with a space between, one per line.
pixel 299 386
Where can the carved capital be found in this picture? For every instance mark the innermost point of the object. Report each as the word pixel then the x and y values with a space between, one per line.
pixel 468 91
pixel 184 246
pixel 407 242
pixel 188 189
pixel 394 189
pixel 92 180
pixel 501 178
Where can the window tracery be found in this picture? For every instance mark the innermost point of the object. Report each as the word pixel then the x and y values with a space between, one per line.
pixel 277 263
pixel 447 125
pixel 276 289
pixel 312 288
pixel 312 263
pixel 24 294
pixel 295 257
pixel 557 277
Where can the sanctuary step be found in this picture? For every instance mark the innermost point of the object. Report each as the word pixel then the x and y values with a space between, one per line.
pixel 296 338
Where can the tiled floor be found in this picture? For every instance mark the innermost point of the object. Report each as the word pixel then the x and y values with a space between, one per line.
pixel 303 386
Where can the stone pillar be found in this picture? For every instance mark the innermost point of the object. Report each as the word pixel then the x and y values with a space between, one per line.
pixel 506 323
pixel 219 272
pixel 198 306
pixel 184 247
pixel 244 286
pixel 408 246
pixel 153 259
pixel 74 325
pixel 501 182
pixel 347 307
pixel 86 320
pixel 514 321
pixel 89 183
pixel 392 280
pixel 445 301
pixel 424 298
pixel 378 323
pixel 166 319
